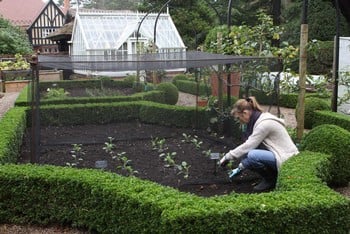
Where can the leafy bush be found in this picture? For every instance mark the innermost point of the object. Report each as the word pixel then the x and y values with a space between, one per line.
pixel 181 77
pixel 311 105
pixel 55 93
pixel 19 63
pixel 334 140
pixel 13 39
pixel 171 93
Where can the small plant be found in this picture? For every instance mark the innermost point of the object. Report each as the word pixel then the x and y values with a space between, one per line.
pixel 187 138
pixel 169 159
pixel 121 157
pixel 77 153
pixel 109 147
pixel 206 153
pixel 197 143
pixel 184 169
pixel 159 144
pixel 126 165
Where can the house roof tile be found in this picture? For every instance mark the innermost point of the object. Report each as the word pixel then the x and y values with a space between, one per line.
pixel 21 12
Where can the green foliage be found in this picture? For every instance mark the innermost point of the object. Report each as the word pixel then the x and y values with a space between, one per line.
pixel 257 40
pixel 320 57
pixel 321 21
pixel 12 125
pixel 55 93
pixel 171 93
pixel 330 117
pixel 333 140
pixel 191 87
pixel 19 63
pixel 177 116
pixel 313 104
pixel 107 203
pixel 13 40
pixel 77 155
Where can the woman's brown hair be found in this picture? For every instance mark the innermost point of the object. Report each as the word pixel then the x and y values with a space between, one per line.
pixel 249 103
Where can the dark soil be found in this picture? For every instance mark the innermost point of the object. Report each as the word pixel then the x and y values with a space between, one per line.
pixel 135 139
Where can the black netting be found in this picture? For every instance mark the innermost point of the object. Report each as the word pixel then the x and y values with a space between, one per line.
pixel 155 61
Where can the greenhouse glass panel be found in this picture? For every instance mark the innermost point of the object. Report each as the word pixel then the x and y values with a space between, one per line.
pixel 110 30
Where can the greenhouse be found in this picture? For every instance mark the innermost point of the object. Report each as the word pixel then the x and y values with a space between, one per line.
pixel 114 35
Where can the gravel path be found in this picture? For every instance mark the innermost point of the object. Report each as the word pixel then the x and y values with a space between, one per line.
pixel 7 101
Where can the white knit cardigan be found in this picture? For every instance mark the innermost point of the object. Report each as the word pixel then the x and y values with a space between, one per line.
pixel 271 132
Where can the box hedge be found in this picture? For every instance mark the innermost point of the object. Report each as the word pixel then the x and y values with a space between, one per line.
pixel 333 140
pixel 108 203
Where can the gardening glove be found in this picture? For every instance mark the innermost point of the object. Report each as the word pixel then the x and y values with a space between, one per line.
pixel 234 172
pixel 224 161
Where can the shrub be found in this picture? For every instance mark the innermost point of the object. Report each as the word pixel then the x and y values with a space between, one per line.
pixel 334 140
pixel 311 105
pixel 181 77
pixel 171 93
pixel 330 117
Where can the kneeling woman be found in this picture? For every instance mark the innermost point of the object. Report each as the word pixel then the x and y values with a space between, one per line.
pixel 267 143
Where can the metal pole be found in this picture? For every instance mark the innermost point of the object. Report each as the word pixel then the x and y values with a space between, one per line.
pixel 35 93
pixel 155 24
pixel 229 10
pixel 137 45
pixel 336 61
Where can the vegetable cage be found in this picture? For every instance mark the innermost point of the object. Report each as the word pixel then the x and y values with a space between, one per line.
pixel 218 63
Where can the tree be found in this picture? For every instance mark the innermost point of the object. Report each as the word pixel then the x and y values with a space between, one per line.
pixel 193 18
pixel 253 41
pixel 12 39
pixel 321 21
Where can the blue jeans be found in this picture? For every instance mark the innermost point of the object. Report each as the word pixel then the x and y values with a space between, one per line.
pixel 258 159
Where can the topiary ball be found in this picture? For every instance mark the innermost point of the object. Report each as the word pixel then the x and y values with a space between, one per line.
pixel 333 140
pixel 171 93
pixel 311 105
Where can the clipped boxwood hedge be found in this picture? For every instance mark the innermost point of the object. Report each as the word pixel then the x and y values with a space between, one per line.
pixel 12 128
pixel 100 113
pixel 171 93
pixel 334 140
pixel 192 87
pixel 313 104
pixel 109 203
pixel 329 117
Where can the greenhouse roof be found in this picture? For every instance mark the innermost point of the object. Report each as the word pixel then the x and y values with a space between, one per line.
pixel 110 29
pixel 150 61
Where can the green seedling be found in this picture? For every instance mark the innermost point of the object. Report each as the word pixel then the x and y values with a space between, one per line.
pixel 207 153
pixel 169 159
pixel 184 169
pixel 77 153
pixel 126 166
pixel 197 143
pixel 187 138
pixel 159 144
pixel 109 147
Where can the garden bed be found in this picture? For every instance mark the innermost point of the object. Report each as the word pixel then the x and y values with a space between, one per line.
pixel 205 178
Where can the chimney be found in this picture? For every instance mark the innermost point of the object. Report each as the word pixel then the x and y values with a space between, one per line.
pixel 66 6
